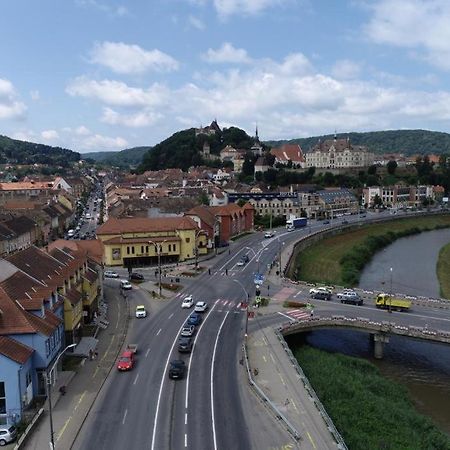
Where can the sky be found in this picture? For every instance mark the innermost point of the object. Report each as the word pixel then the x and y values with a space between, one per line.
pixel 97 75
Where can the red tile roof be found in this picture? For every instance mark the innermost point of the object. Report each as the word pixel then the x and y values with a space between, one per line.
pixel 15 350
pixel 144 225
pixel 289 152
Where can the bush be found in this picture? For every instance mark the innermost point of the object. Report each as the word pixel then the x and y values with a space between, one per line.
pixel 293 304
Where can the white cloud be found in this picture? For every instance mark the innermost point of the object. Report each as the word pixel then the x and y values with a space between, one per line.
pixel 143 118
pixel 24 135
pixel 82 131
pixel 10 107
pixel 195 22
pixel 247 7
pixel 100 142
pixel 130 59
pixel 346 69
pixel 227 54
pixel 423 25
pixel 118 11
pixel 117 93
pixel 50 135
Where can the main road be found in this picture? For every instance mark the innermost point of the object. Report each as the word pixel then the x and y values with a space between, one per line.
pixel 208 409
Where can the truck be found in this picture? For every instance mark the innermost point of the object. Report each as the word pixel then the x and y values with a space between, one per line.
pixel 386 301
pixel 296 222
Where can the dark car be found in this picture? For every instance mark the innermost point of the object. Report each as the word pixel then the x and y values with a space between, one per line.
pixel 326 222
pixel 137 276
pixel 176 369
pixel 321 295
pixel 194 319
pixel 185 345
pixel 243 261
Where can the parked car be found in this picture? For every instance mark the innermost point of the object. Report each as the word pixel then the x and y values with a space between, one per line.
pixel 188 331
pixel 243 261
pixel 176 369
pixel 141 312
pixel 185 344
pixel 201 307
pixel 126 361
pixel 125 285
pixel 111 274
pixel 187 302
pixel 194 319
pixel 136 276
pixel 8 433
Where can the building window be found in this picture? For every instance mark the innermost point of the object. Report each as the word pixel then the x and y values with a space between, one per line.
pixel 174 247
pixel 2 398
pixel 188 240
pixel 170 247
pixel 128 250
pixel 132 249
pixel 142 249
pixel 47 347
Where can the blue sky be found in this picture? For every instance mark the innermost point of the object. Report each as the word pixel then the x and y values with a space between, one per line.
pixel 95 75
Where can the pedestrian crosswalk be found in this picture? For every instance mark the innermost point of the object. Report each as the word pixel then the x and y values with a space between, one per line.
pixel 299 314
pixel 227 305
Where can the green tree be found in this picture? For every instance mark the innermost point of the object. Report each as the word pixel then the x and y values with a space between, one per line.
pixel 391 167
pixel 372 170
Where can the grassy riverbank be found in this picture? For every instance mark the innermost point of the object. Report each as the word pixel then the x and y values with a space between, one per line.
pixel 443 271
pixel 369 411
pixel 322 261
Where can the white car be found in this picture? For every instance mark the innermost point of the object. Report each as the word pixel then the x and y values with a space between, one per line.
pixel 188 302
pixel 269 234
pixel 201 307
pixel 141 311
pixel 315 290
pixel 125 285
pixel 111 274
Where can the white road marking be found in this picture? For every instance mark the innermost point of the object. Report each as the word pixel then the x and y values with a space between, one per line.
pixel 124 417
pixel 299 292
pixel 185 439
pixel 212 382
pixel 163 378
pixel 285 315
pixel 147 352
pixel 135 380
pixel 159 331
pixel 185 418
pixel 170 316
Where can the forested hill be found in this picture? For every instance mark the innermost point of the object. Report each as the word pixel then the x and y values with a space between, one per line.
pixel 124 158
pixel 13 151
pixel 409 142
pixel 182 149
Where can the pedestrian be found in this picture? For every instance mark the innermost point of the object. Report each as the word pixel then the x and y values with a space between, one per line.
pixel 96 354
pixel 209 271
pixel 311 313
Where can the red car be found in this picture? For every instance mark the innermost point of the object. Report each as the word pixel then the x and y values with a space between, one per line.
pixel 126 361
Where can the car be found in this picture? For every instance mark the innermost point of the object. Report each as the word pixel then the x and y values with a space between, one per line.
pixel 126 361
pixel 8 433
pixel 321 295
pixel 188 331
pixel 269 234
pixel 125 285
pixel 314 290
pixel 350 297
pixel 326 222
pixel 187 302
pixel 194 319
pixel 243 261
pixel 137 276
pixel 111 274
pixel 185 344
pixel 87 216
pixel 141 311
pixel 201 307
pixel 176 369
pixel 70 233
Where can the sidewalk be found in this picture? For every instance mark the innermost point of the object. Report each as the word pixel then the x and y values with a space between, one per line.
pixel 70 410
pixel 276 376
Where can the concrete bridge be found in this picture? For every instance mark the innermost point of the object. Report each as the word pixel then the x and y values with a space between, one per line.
pixel 379 331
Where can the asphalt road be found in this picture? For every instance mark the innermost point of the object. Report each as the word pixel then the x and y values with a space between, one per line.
pixel 208 409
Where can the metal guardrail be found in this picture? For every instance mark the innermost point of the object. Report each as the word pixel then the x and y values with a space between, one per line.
pixel 278 414
pixel 312 393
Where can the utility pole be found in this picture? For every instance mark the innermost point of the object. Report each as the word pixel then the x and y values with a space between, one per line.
pixel 390 293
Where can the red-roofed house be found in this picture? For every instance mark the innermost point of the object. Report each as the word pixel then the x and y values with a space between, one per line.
pixel 289 154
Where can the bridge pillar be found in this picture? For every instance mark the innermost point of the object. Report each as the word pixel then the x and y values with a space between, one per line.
pixel 379 339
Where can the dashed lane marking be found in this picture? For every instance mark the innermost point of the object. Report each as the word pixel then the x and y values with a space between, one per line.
pixel 63 428
pixel 135 380
pixel 311 440
pixel 147 352
pixel 79 401
pixel 124 417
pixel 159 331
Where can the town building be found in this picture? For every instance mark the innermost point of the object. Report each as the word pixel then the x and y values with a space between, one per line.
pixel 289 155
pixel 338 154
pixel 398 196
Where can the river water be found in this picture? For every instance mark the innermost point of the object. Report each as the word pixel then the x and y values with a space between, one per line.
pixel 422 367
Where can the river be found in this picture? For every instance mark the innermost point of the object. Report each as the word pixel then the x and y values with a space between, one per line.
pixel 422 367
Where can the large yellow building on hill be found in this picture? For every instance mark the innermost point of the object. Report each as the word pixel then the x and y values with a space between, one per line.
pixel 137 241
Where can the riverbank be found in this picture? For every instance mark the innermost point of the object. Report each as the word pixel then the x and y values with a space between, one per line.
pixel 368 410
pixel 443 271
pixel 321 263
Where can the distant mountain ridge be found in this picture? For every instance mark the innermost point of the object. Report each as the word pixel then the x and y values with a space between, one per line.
pixel 13 151
pixel 409 142
pixel 128 157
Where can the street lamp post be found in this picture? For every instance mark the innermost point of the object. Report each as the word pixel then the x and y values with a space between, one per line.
pixel 196 249
pixel 279 254
pixel 48 383
pixel 158 250
pixel 246 310
pixel 390 293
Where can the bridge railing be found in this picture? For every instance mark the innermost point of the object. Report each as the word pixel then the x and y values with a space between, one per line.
pixel 312 393
pixel 278 414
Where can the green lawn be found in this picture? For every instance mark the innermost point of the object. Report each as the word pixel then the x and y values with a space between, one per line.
pixel 443 271
pixel 320 262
